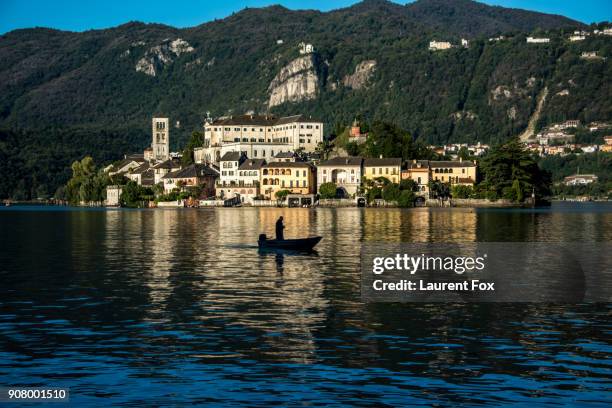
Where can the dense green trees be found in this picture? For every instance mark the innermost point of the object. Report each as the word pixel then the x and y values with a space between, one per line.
pixel 88 184
pixel 135 196
pixel 509 171
pixel 196 140
pixel 102 106
pixel 328 190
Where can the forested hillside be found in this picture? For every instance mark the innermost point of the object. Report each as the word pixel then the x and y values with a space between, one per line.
pixel 371 59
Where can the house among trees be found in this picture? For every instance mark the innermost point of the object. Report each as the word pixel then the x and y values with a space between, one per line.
pixel 439 45
pixel 579 179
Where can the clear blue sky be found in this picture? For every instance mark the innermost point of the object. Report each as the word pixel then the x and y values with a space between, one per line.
pixel 79 15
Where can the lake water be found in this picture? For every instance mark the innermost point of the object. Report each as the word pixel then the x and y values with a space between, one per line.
pixel 175 307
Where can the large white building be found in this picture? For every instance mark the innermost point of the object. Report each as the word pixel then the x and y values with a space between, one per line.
pixel 258 136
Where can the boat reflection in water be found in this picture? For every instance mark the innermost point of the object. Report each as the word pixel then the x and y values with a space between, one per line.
pixel 183 304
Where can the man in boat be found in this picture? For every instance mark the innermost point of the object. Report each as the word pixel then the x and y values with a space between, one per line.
pixel 279 228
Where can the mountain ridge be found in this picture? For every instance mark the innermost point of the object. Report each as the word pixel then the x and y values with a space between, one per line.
pixel 369 60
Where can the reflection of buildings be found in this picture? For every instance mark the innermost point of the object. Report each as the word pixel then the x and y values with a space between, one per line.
pixel 420 225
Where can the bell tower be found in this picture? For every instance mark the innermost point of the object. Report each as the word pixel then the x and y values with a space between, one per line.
pixel 161 139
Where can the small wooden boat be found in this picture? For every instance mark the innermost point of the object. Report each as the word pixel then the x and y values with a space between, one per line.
pixel 300 244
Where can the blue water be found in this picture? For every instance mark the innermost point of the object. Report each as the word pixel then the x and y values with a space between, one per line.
pixel 178 307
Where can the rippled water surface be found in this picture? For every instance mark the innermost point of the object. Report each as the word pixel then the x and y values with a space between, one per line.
pixel 177 307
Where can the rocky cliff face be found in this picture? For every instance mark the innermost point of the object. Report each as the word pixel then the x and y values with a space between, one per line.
pixel 296 81
pixel 157 57
pixel 363 72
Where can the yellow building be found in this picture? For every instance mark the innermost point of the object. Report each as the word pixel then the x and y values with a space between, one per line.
pixel 453 172
pixel 418 171
pixel 297 177
pixel 389 168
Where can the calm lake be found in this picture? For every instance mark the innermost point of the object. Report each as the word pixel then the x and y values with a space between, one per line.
pixel 172 307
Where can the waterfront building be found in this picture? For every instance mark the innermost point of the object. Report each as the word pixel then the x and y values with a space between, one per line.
pixel 258 136
pixel 160 139
pixel 419 172
pixel 246 185
pixel 454 172
pixel 297 177
pixel 113 196
pixel 228 167
pixel 344 172
pixel 389 168
pixel 195 175
pixel 461 172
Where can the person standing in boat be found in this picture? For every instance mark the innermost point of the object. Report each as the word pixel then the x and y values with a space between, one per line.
pixel 279 228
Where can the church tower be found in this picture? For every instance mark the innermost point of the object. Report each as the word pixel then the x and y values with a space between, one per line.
pixel 161 139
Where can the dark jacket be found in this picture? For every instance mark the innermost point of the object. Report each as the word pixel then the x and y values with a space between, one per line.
pixel 279 229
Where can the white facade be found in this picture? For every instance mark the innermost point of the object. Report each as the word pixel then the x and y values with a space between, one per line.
pixel 345 172
pixel 228 168
pixel 260 137
pixel 113 194
pixel 534 40
pixel 161 139
pixel 305 48
pixel 439 45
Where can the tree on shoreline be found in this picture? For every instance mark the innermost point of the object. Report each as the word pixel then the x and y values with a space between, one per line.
pixel 509 171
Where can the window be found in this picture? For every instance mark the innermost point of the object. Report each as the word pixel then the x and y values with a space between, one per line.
pixel 291 183
pixel 316 127
pixel 301 126
pixel 254 153
pixel 261 140
pixel 380 170
pixel 237 129
pixel 301 140
pixel 386 170
pixel 352 171
pixel 324 171
pixel 303 183
pixel 245 129
pixel 236 139
pixel 308 126
pixel 227 129
pixel 245 139
pixel 463 171
pixel 418 180
pixel 304 173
